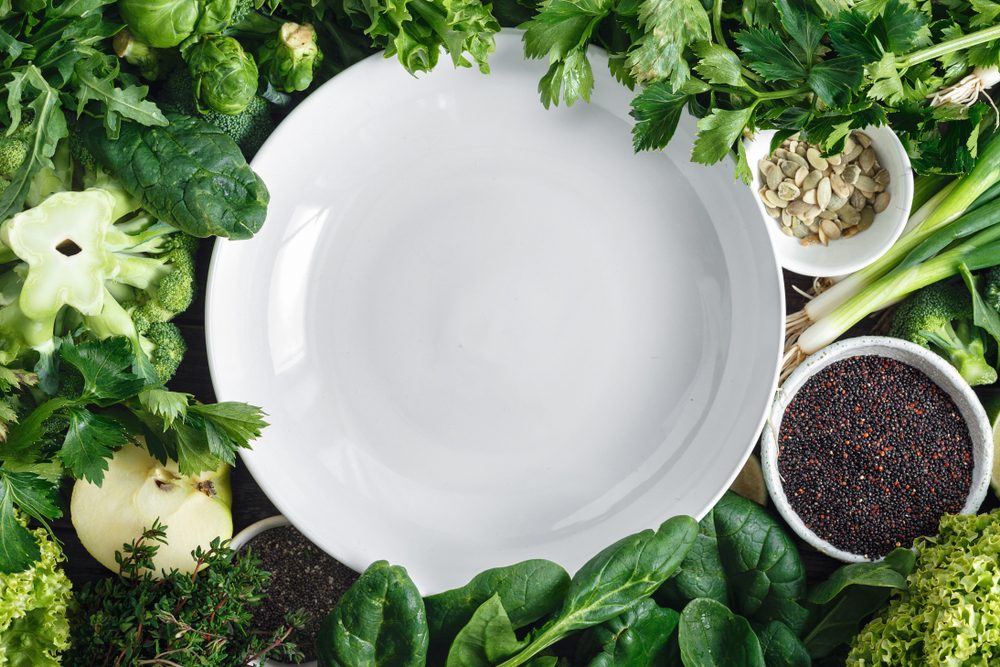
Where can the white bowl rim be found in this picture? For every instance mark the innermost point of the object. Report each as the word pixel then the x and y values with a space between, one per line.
pixel 980 431
pixel 826 269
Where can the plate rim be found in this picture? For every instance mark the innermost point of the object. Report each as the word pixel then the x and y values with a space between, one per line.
pixel 599 61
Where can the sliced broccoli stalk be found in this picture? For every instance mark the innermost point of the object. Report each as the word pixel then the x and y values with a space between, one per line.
pixel 939 317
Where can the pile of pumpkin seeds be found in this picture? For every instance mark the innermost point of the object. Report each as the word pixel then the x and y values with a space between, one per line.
pixel 820 199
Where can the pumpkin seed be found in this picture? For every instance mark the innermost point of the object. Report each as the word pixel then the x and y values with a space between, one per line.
pixel 830 229
pixel 824 191
pixel 862 138
pixel 849 232
pixel 800 176
pixel 835 159
pixel 836 202
pixel 849 215
pixel 809 197
pixel 881 202
pixel 839 187
pixel 882 177
pixel 812 239
pixel 797 159
pixel 787 231
pixel 816 160
pixel 851 173
pixel 772 198
pixel 788 191
pixel 865 184
pixel 798 208
pixel 822 236
pixel 857 199
pixel 812 180
pixel 786 218
pixel 867 160
pixel 774 177
pixel 788 168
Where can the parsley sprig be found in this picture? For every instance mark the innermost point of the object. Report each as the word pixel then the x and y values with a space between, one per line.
pixel 822 68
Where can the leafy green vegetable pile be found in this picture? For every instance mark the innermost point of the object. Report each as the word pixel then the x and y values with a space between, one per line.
pixel 948 613
pixel 198 620
pixel 34 628
pixel 730 591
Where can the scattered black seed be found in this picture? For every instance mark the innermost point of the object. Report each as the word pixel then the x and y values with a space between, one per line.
pixel 872 453
pixel 302 577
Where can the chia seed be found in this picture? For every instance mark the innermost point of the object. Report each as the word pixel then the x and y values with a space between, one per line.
pixel 302 577
pixel 872 453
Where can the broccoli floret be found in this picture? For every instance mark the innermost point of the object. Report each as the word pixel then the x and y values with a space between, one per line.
pixel 248 129
pixel 939 317
pixel 13 150
pixel 991 282
pixel 164 345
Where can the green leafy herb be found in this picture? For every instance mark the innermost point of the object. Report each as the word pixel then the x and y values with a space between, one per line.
pixel 203 619
pixel 636 638
pixel 712 636
pixel 487 639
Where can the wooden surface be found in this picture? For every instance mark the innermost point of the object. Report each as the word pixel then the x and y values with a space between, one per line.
pixel 249 502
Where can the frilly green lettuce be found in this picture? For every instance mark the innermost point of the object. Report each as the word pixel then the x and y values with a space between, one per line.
pixel 950 612
pixel 34 629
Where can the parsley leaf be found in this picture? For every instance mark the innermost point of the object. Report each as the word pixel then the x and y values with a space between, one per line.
pixel 91 439
pixel 106 369
pixel 851 35
pixel 802 24
pixel 166 404
pixel 836 79
pixel 671 26
pixel 718 65
pixel 560 31
pixel 38 499
pixel 987 13
pixel 768 54
pixel 656 111
pixel 717 132
pixel 240 422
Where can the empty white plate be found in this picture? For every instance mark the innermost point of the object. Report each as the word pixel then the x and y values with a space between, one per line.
pixel 486 332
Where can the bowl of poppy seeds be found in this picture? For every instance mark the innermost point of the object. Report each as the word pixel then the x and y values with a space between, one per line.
pixel 870 442
pixel 302 577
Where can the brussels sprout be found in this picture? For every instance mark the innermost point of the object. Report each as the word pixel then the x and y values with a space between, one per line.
pixel 160 23
pixel 224 75
pixel 138 53
pixel 215 16
pixel 289 58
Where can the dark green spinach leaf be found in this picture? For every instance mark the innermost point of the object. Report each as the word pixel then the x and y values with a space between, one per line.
pixel 712 636
pixel 856 596
pixel 189 174
pixel 379 622
pixel 487 639
pixel 781 647
pixel 637 638
pixel 527 591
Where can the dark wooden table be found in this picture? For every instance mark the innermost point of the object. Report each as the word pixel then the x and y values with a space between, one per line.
pixel 249 502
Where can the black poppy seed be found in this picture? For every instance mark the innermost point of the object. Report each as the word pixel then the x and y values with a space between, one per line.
pixel 302 577
pixel 876 453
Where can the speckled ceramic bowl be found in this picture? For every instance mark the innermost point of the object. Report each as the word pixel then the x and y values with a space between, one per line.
pixel 936 368
pixel 239 541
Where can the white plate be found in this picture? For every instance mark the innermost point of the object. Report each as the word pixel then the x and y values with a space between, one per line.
pixel 486 332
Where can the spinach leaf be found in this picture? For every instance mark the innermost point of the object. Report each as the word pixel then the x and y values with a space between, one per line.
pixel 487 639
pixel 762 565
pixel 712 636
pixel 188 173
pixel 781 647
pixel 379 622
pixel 701 575
pixel 888 573
pixel 616 580
pixel 857 591
pixel 637 638
pixel 528 591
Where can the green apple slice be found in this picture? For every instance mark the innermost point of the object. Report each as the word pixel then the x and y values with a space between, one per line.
pixel 137 490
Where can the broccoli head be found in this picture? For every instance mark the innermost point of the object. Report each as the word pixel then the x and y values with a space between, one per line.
pixel 939 317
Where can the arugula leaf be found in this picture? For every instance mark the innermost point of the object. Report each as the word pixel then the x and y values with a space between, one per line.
pixel 804 26
pixel 47 128
pixel 836 79
pixel 718 65
pixel 656 111
pixel 128 103
pixel 106 369
pixel 671 26
pixel 768 55
pixel 717 132
pixel 91 440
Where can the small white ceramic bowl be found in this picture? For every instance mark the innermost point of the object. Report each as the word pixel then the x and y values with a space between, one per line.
pixel 844 255
pixel 937 369
pixel 239 541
